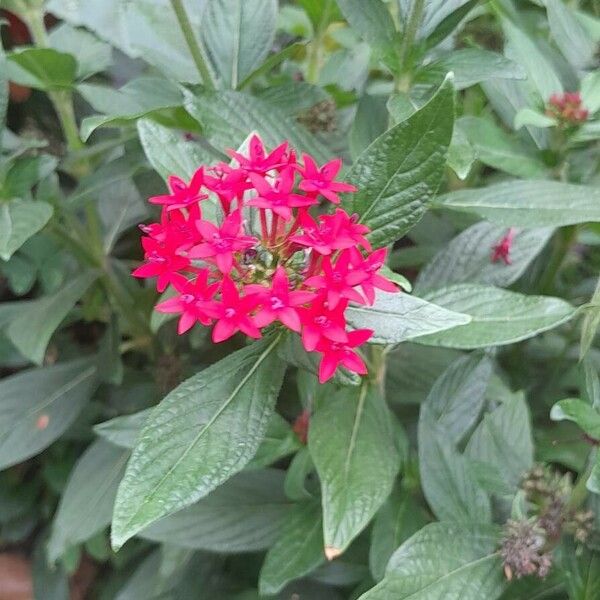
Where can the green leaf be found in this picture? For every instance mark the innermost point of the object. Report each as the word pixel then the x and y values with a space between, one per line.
pixel 397 317
pixel 19 220
pixel 456 398
pixel 398 519
pixel 461 154
pixel 498 317
pixel 371 19
pixel 86 504
pixel 27 172
pixel 202 433
pixel 245 514
pixel 440 28
pixel 467 258
pixel 238 35
pixel 42 68
pixel 169 152
pixel 398 174
pixel 370 121
pixel 297 551
pixel 580 412
pixel 123 431
pixel 590 323
pixel 528 203
pixel 357 462
pixel 37 406
pixel 138 98
pixel 503 441
pixel 445 561
pixel 529 117
pixel 495 148
pixel 279 441
pixel 50 583
pixel 30 331
pixel 227 118
pixel 590 91
pixel 3 93
pixel 524 50
pixel 470 66
pixel 92 54
pixel 582 568
pixel 570 35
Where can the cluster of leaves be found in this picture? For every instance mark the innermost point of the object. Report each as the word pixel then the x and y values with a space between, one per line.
pixel 155 465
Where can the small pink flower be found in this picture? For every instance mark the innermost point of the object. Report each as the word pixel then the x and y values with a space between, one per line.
pixel 232 313
pixel 220 243
pixel 370 267
pixel 259 160
pixel 501 250
pixel 342 353
pixel 322 180
pixel 319 321
pixel 162 261
pixel 182 195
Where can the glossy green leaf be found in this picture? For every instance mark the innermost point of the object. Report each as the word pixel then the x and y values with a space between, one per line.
pixel 30 331
pixel 202 433
pixel 238 35
pixel 397 317
pixel 297 551
pixel 528 203
pixel 503 441
pixel 444 561
pixel 398 174
pixel 580 412
pixel 496 148
pixel 19 220
pixel 357 461
pixel 467 258
pixel 42 68
pixel 92 54
pixel 498 317
pixel 87 502
pixel 228 117
pixel 470 66
pixel 37 406
pixel 245 514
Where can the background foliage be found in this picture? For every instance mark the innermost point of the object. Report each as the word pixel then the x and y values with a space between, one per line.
pixel 464 466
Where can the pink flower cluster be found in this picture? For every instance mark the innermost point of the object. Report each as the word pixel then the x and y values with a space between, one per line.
pixel 567 108
pixel 268 259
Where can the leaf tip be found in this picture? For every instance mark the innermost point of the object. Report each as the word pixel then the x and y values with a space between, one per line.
pixel 332 552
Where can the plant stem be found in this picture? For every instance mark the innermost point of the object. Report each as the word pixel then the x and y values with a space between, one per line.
pixel 195 49
pixel 562 243
pixel 314 49
pixel 410 32
pixel 580 491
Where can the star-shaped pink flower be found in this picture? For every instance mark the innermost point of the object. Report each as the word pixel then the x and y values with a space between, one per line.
pixel 322 180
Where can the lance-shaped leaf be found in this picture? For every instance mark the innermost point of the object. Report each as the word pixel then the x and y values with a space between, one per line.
pixel 42 68
pixel 30 331
pixel 580 412
pixel 245 514
pixel 398 174
pixel 37 406
pixel 19 220
pixel 528 203
pixel 202 433
pixel 86 504
pixel 399 317
pixel 467 258
pixel 498 317
pixel 297 551
pixel 351 441
pixel 444 561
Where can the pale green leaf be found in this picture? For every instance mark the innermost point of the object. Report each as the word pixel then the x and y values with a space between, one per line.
pixel 498 317
pixel 580 412
pixel 528 203
pixel 30 331
pixel 397 317
pixel 37 406
pixel 468 257
pixel 19 220
pixel 42 68
pixel 529 117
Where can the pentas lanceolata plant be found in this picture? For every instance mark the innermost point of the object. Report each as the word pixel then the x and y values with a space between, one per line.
pixel 271 258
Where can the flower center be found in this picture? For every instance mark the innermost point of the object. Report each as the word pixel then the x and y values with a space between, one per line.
pixel 322 321
pixel 187 298
pixel 276 303
pixel 229 313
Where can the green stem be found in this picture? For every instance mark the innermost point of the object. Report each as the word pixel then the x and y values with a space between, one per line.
pixel 410 33
pixel 561 246
pixel 580 491
pixel 314 49
pixel 194 46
